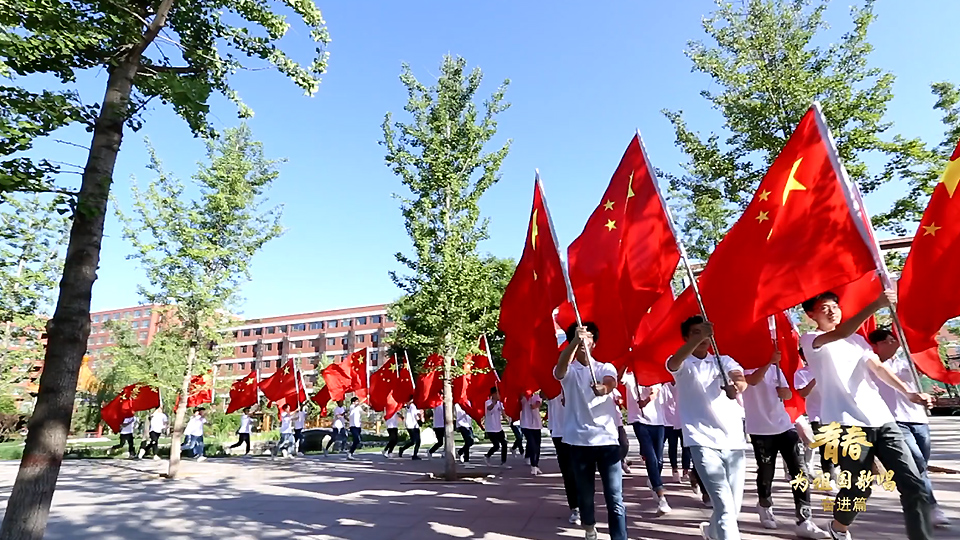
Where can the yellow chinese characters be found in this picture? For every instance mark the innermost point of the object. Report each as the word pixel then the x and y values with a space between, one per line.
pixel 838 443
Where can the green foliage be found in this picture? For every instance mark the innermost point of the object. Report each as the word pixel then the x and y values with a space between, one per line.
pixel 766 68
pixel 439 158
pixel 183 53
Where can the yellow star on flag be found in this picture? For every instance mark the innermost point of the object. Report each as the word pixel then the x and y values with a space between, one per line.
pixel 931 229
pixel 764 216
pixel 608 205
pixel 611 225
pixel 630 186
pixel 764 195
pixel 533 229
pixel 951 176
pixel 792 184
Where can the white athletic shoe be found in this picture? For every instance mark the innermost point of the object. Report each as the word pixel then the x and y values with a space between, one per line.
pixel 351 458
pixel 284 453
pixel 156 457
pixel 141 453
pixel 809 529
pixel 766 517
pixel 676 477
pixel 201 459
pixel 940 519
pixel 705 531
pixel 486 461
pixel 535 471
pixel 836 535
pixel 591 532
pixel 574 517
pixel 662 506
pixel 384 453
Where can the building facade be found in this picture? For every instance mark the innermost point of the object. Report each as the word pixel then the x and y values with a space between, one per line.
pixel 143 320
pixel 308 338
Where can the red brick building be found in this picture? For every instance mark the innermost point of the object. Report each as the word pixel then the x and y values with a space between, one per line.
pixel 143 320
pixel 309 338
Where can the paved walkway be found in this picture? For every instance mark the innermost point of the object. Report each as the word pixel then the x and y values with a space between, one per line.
pixel 330 498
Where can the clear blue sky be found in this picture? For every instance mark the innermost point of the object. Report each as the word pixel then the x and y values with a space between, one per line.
pixel 584 77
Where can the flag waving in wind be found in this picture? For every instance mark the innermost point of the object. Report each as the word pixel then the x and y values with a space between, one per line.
pixel 243 393
pixel 283 384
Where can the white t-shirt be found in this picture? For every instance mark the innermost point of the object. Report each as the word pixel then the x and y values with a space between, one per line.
pixel 617 399
pixel 530 412
pixel 902 408
pixel 158 421
pixel 438 417
pixel 393 421
pixel 555 416
pixel 493 418
pixel 668 397
pixel 195 426
pixel 463 419
pixel 126 427
pixel 356 416
pixel 410 417
pixel 299 419
pixel 245 422
pixel 801 379
pixel 765 413
pixel 652 414
pixel 709 418
pixel 588 418
pixel 848 393
pixel 338 417
pixel 633 397
pixel 286 422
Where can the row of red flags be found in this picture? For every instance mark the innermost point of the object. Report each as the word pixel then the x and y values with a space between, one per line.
pixel 805 232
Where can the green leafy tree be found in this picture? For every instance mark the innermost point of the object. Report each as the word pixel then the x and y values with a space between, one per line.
pixel 179 53
pixel 197 253
pixel 766 68
pixel 439 158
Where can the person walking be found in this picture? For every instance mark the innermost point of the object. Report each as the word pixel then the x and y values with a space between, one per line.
pixel 287 447
pixel 243 432
pixel 555 423
pixel 465 429
pixel 194 434
pixel 531 424
pixel 393 435
pixel 438 430
pixel 411 421
pixel 645 414
pixel 356 425
pixel 493 425
pixel 299 423
pixel 127 428
pixel 339 436
pixel 158 423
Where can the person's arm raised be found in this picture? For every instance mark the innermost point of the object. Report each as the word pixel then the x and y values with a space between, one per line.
pixel 850 325
pixel 698 334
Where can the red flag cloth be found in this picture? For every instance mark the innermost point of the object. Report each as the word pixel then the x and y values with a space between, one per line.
pixel 534 292
pixel 357 363
pixel 283 384
pixel 200 391
pixel 390 388
pixel 789 343
pixel 650 355
pixel 624 259
pixel 774 257
pixel 243 393
pixel 322 398
pixel 429 391
pixel 134 397
pixel 338 379
pixel 928 292
pixel 482 378
pixel 510 391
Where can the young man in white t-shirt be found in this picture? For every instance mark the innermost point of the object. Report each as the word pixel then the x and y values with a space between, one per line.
pixel 243 432
pixel 590 430
pixel 531 425
pixel 439 430
pixel 356 425
pixel 910 416
pixel 555 423
pixel 411 421
pixel 493 426
pixel 288 443
pixel 843 364
pixel 158 423
pixel 465 428
pixel 299 423
pixel 194 434
pixel 126 435
pixel 393 434
pixel 772 433
pixel 339 435
pixel 712 420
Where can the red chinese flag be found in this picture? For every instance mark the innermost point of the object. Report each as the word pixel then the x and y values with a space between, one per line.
pixel 482 378
pixel 534 292
pixel 200 391
pixel 625 257
pixel 283 384
pixel 384 384
pixel 640 360
pixel 243 393
pixel 115 412
pixel 928 292
pixel 357 363
pixel 338 379
pixel 404 389
pixel 790 362
pixel 133 398
pixel 322 399
pixel 429 391
pixel 142 397
pixel 662 340
pixel 797 238
pixel 511 388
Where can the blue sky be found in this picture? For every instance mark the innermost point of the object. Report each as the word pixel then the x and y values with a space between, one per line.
pixel 583 76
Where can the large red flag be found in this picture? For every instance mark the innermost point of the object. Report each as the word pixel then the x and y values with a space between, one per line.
pixel 534 292
pixel 478 378
pixel 625 257
pixel 338 379
pixel 322 398
pixel 200 391
pixel 243 393
pixel 283 384
pixel 134 397
pixel 359 377
pixel 929 294
pixel 429 391
pixel 390 388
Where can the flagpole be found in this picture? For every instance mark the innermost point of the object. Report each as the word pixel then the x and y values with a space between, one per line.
pixel 413 382
pixel 566 273
pixel 257 360
pixel 860 216
pixel 683 257
pixel 487 343
pixel 772 324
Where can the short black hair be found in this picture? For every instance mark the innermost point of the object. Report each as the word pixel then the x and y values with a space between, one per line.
pixel 200 409
pixel 590 326
pixel 879 335
pixel 494 390
pixel 686 325
pixel 286 406
pixel 808 305
pixel 800 352
pixel 246 409
pixel 354 399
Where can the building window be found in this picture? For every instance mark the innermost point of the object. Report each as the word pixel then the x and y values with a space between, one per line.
pixel 96 318
pixel 283 328
pixel 136 314
pixel 315 361
pixel 134 324
pixel 89 342
pixel 346 322
pixel 246 332
pixel 314 342
pixel 126 314
pixel 144 324
pixel 243 349
pixel 388 318
pixel 376 319
pixel 359 339
pixel 146 312
pixel 271 330
pixel 243 366
pixel 229 367
pixel 331 341
pixel 296 344
pixel 374 338
pixel 316 326
pixel 109 338
pixel 375 356
pixel 361 320
pixel 143 335
pixel 299 327
pixel 278 363
pixel 332 324
pixel 343 341
pixel 94 329
pixel 116 317
pixel 269 346
pixel 258 332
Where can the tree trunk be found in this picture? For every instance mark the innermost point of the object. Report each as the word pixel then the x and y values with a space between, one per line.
pixel 69 329
pixel 450 445
pixel 180 415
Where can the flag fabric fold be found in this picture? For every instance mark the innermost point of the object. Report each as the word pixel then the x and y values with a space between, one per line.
pixel 322 398
pixel 243 393
pixel 429 388
pixel 390 388
pixel 283 384
pixel 134 397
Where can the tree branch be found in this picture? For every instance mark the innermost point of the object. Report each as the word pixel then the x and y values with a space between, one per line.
pixel 168 69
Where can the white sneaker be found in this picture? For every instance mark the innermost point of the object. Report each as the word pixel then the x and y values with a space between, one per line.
pixel 591 533
pixel 940 519
pixel 201 459
pixel 351 458
pixel 809 529
pixel 676 477
pixel 836 535
pixel 574 517
pixel 486 461
pixel 384 452
pixel 626 468
pixel 534 471
pixel 705 531
pixel 141 453
pixel 662 506
pixel 766 517
pixel 156 457
pixel 284 453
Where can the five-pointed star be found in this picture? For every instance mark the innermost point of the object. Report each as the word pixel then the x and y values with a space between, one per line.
pixel 630 186
pixel 250 381
pixel 764 195
pixel 533 229
pixel 931 229
pixel 951 176
pixel 611 225
pixel 608 205
pixel 764 216
pixel 792 184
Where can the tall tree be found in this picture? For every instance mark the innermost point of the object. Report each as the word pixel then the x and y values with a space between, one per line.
pixel 180 52
pixel 197 253
pixel 766 68
pixel 439 157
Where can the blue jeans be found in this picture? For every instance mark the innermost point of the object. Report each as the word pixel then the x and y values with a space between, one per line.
pixel 533 437
pixel 651 448
pixel 917 437
pixel 287 441
pixel 606 460
pixel 723 473
pixel 193 444
pixel 675 439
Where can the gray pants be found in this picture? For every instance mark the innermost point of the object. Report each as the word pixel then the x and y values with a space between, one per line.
pixel 723 473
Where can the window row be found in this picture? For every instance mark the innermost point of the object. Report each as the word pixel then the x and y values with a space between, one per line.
pixel 136 314
pixel 314 343
pixel 316 325
pixel 133 324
